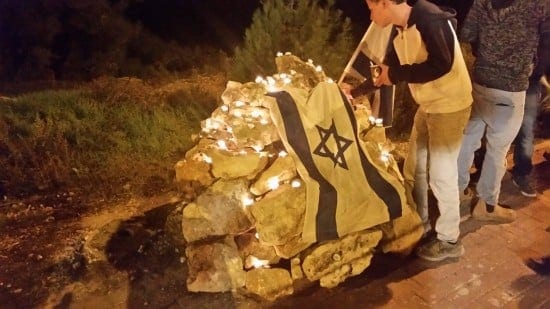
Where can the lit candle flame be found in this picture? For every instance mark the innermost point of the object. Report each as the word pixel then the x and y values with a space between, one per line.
pixel 273 183
pixel 221 144
pixel 296 183
pixel 256 113
pixel 206 158
pixel 247 200
pixel 257 263
pixel 258 147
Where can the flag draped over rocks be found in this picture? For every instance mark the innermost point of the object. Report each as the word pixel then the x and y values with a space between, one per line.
pixel 286 169
pixel 345 190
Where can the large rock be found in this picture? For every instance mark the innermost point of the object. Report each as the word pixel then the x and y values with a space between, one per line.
pixel 226 164
pixel 250 248
pixel 402 234
pixel 283 168
pixel 292 247
pixel 334 261
pixel 214 267
pixel 280 214
pixel 218 211
pixel 269 283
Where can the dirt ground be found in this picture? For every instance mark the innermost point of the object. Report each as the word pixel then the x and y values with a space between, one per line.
pixel 63 251
pixel 43 255
pixel 47 257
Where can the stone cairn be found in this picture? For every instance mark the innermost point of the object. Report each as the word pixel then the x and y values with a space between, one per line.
pixel 243 224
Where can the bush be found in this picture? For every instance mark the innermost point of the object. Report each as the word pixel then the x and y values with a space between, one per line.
pixel 303 27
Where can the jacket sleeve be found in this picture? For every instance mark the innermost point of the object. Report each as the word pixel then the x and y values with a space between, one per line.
pixel 439 40
pixel 469 31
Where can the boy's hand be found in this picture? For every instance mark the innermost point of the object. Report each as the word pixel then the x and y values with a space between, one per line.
pixel 384 78
pixel 346 89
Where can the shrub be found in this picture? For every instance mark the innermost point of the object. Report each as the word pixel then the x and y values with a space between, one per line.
pixel 303 27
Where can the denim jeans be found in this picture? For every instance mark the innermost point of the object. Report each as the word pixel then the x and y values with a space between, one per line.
pixel 523 144
pixel 500 114
pixel 433 151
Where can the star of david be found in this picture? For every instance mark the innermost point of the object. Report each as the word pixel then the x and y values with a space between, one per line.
pixel 324 149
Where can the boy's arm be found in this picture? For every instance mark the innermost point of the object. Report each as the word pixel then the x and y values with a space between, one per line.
pixel 469 32
pixel 439 40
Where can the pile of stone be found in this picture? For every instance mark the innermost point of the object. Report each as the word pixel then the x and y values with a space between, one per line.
pixel 243 225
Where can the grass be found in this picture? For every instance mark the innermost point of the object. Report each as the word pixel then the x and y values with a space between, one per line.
pixel 110 134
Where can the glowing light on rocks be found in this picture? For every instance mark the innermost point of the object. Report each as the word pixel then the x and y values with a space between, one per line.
pixel 264 121
pixel 259 79
pixel 378 122
pixel 257 235
pixel 206 158
pixel 283 153
pixel 256 113
pixel 221 144
pixel 239 103
pixel 257 263
pixel 318 68
pixel 296 183
pixel 279 54
pixel 237 113
pixel 273 183
pixel 385 156
pixel 224 108
pixel 330 80
pixel 258 147
pixel 246 200
pixel 288 53
pixel 372 120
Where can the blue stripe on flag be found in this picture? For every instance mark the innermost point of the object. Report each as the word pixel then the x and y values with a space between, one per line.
pixel 296 135
pixel 380 186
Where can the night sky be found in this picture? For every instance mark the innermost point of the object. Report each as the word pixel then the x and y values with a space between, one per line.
pixel 223 22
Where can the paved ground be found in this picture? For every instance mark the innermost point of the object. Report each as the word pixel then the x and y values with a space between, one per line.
pixel 492 273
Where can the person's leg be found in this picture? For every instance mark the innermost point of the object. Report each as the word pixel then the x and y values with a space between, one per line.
pixel 503 117
pixel 523 144
pixel 414 170
pixel 445 140
pixel 473 132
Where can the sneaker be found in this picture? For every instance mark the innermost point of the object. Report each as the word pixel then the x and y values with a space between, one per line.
pixel 540 266
pixel 500 214
pixel 438 250
pixel 466 195
pixel 524 186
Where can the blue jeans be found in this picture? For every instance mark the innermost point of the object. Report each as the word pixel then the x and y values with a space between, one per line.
pixel 523 144
pixel 500 114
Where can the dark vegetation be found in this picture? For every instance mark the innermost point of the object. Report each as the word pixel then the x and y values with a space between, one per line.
pixel 105 95
pixel 83 83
